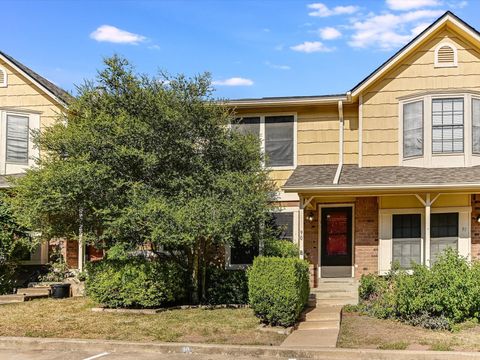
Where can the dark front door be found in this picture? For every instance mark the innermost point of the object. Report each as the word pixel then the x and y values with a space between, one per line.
pixel 336 242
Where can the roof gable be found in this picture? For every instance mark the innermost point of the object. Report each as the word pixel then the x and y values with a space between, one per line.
pixel 447 19
pixel 53 91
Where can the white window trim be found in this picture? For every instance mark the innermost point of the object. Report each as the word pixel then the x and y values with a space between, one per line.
pixel 430 159
pixel 228 251
pixel 4 83
pixel 455 55
pixel 385 227
pixel 262 117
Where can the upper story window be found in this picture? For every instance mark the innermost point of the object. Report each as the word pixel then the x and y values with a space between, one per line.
pixel 447 125
pixel 277 135
pixel 445 55
pixel 476 126
pixel 17 139
pixel 413 129
pixel 3 77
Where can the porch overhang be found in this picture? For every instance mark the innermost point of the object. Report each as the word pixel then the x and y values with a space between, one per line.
pixel 318 180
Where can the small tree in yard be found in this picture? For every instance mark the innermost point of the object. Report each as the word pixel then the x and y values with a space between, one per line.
pixel 148 160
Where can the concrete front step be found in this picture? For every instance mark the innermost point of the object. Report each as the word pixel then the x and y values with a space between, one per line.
pixel 332 301
pixel 334 295
pixel 319 325
pixel 319 315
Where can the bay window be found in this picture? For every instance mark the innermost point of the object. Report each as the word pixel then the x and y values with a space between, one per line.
pixel 413 129
pixel 447 125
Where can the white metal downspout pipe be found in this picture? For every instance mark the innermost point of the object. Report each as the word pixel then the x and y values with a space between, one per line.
pixel 340 140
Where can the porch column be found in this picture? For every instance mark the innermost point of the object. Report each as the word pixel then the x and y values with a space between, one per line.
pixel 428 205
pixel 301 243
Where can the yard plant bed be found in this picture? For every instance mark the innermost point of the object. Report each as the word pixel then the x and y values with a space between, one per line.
pixel 361 331
pixel 73 318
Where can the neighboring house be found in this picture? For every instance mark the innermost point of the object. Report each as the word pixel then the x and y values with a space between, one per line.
pixel 386 172
pixel 28 102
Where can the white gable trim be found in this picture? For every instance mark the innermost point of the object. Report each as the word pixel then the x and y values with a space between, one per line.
pixel 395 59
pixel 43 88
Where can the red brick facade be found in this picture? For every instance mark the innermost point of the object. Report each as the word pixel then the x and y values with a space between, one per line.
pixel 366 236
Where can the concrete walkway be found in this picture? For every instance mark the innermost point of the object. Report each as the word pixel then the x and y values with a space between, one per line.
pixel 320 324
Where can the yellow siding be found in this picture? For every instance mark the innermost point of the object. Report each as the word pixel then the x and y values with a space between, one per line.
pixel 22 94
pixel 410 201
pixel 416 74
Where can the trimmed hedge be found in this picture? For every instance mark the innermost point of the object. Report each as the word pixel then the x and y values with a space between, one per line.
pixel 280 248
pixel 278 289
pixel 136 283
pixel 226 286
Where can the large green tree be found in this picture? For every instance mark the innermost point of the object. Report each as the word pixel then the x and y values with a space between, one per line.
pixel 140 160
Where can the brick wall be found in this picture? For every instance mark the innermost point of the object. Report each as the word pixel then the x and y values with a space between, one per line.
pixel 71 253
pixel 475 251
pixel 366 236
pixel 311 243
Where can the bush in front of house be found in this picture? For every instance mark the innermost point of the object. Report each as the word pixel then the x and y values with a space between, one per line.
pixel 278 289
pixel 280 248
pixel 136 283
pixel 438 297
pixel 226 286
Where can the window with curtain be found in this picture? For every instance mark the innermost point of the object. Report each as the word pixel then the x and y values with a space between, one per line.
pixel 476 126
pixel 413 129
pixel 17 139
pixel 443 233
pixel 447 125
pixel 283 225
pixel 279 144
pixel 406 237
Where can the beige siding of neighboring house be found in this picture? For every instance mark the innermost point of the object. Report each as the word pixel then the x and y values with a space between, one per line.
pixel 416 74
pixel 21 94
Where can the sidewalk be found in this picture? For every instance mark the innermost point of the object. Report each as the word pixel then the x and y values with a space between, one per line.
pixel 145 350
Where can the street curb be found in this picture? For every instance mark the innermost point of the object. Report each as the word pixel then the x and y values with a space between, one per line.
pixel 53 344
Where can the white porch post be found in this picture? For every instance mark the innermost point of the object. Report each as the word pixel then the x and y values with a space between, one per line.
pixel 428 205
pixel 301 228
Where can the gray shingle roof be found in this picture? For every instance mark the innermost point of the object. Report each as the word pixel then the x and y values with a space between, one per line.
pixel 54 89
pixel 317 176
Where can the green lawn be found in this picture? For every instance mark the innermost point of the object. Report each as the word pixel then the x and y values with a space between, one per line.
pixel 73 318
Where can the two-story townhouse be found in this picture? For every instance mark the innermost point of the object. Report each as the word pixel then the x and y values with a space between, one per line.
pixel 388 171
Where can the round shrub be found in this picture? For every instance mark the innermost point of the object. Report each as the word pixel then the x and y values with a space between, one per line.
pixel 280 248
pixel 371 286
pixel 278 289
pixel 136 283
pixel 226 286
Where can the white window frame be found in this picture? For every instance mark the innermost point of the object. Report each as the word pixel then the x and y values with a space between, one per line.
pixel 228 251
pixel 262 117
pixel 429 158
pixel 385 228
pixel 455 55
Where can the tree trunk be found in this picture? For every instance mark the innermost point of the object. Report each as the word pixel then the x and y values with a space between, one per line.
pixel 195 273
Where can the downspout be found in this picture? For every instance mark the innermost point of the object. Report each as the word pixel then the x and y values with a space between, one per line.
pixel 340 140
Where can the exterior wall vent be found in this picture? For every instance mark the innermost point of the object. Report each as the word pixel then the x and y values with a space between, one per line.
pixel 445 55
pixel 3 77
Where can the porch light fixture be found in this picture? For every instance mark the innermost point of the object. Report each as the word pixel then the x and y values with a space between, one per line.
pixel 478 218
pixel 310 216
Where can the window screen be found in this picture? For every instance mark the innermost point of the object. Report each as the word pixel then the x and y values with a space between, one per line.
pixel 413 129
pixel 406 233
pixel 242 254
pixel 447 125
pixel 248 125
pixel 17 139
pixel 444 234
pixel 283 224
pixel 279 140
pixel 476 126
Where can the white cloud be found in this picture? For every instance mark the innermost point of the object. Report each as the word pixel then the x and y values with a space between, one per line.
pixel 233 81
pixel 322 10
pixel 388 31
pixel 311 47
pixel 329 33
pixel 154 47
pixel 108 33
pixel 277 66
pixel 411 4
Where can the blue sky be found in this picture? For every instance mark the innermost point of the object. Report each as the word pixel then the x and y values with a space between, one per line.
pixel 252 48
